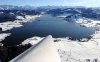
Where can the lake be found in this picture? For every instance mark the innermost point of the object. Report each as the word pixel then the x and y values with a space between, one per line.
pixel 47 25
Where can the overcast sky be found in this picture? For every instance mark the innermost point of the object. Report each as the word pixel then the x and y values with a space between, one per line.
pixel 87 3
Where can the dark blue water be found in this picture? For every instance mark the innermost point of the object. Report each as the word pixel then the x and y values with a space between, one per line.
pixel 47 25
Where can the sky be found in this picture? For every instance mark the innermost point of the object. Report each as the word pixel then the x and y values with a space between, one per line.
pixel 86 3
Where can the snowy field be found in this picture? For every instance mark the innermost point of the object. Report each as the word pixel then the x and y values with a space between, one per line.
pixel 69 50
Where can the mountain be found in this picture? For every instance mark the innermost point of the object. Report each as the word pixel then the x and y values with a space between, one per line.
pixel 11 7
pixel 92 12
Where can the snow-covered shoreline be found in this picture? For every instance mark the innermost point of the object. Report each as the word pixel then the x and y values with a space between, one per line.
pixel 3 36
pixel 74 51
pixel 17 23
pixel 89 23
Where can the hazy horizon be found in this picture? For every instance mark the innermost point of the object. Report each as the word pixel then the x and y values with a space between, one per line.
pixel 83 3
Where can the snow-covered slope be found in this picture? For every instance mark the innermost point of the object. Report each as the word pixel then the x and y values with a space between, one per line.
pixel 3 36
pixel 89 23
pixel 74 51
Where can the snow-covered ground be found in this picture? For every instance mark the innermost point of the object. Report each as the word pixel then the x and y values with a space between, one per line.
pixel 74 51
pixel 33 40
pixel 89 23
pixel 3 36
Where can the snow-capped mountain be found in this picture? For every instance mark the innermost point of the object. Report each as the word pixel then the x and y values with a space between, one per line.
pixel 11 7
pixel 93 13
pixel 58 10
